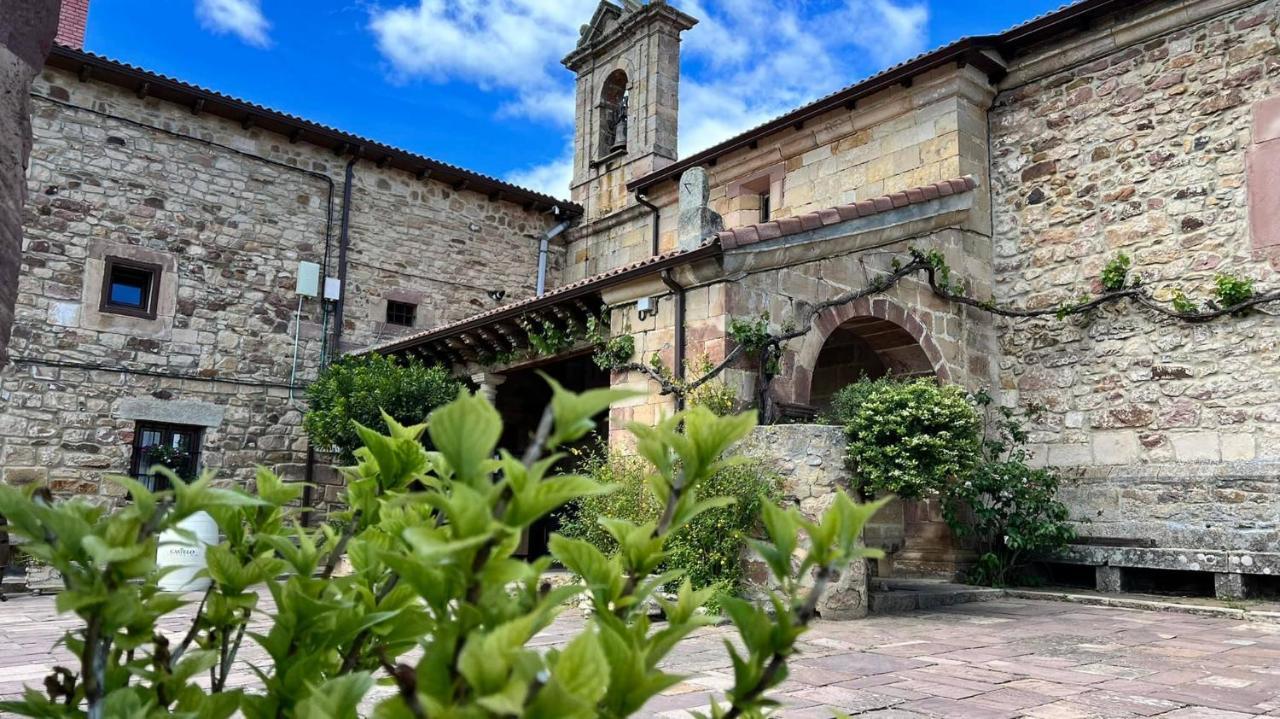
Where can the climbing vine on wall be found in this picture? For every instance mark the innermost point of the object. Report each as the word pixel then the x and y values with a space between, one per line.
pixel 755 340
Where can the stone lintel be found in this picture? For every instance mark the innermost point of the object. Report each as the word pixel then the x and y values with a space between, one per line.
pixel 1181 559
pixel 188 412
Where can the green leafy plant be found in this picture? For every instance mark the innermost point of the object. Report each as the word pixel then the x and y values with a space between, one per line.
pixel 1182 304
pixel 752 335
pixel 1115 274
pixel 356 390
pixel 1231 290
pixel 909 438
pixel 1007 507
pixel 168 456
pixel 431 538
pixel 546 338
pixel 615 352
pixel 716 395
pixel 708 550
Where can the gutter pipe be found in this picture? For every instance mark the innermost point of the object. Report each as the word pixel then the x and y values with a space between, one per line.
pixel 543 246
pixel 677 292
pixel 344 242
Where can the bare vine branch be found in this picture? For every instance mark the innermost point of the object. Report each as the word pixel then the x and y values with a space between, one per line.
pixel 932 266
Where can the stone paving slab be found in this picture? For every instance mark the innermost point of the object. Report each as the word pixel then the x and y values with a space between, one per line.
pixel 1002 658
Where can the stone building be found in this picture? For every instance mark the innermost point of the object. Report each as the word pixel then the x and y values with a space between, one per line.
pixel 1029 159
pixel 159 300
pixel 24 42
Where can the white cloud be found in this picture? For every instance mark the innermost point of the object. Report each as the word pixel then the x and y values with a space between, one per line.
pixel 242 18
pixel 513 46
pixel 745 62
pixel 758 59
pixel 552 178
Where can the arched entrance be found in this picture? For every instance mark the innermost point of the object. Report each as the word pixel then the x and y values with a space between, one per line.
pixel 867 347
pixel 873 340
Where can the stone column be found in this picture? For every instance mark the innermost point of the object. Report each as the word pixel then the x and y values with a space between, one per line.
pixel 697 221
pixel 1108 579
pixel 488 383
pixel 26 34
pixel 1228 586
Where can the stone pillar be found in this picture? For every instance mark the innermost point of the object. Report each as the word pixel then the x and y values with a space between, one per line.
pixel 696 221
pixel 26 34
pixel 1228 586
pixel 1109 579
pixel 488 383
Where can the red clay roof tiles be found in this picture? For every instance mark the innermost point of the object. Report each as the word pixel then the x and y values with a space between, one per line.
pixel 783 226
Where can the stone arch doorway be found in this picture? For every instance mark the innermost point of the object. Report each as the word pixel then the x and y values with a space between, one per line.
pixel 875 339
pixel 867 347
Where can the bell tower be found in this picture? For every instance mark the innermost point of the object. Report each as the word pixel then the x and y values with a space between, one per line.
pixel 627 64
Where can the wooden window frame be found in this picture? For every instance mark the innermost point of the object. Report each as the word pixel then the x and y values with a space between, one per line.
pixel 153 295
pixel 141 427
pixel 413 313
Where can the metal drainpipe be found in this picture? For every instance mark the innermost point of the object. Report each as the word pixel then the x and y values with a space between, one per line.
pixel 344 241
pixel 678 292
pixel 543 247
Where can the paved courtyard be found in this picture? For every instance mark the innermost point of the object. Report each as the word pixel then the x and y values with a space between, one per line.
pixel 1007 658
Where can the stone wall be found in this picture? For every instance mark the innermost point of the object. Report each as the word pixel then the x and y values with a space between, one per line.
pixel 810 459
pixel 24 40
pixel 1172 427
pixel 899 138
pixel 1142 149
pixel 227 213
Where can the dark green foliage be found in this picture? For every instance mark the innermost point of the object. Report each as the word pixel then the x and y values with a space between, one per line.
pixel 357 389
pixel 708 550
pixel 908 438
pixel 1115 274
pixel 1010 509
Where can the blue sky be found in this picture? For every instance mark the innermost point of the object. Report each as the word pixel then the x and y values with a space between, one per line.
pixel 478 82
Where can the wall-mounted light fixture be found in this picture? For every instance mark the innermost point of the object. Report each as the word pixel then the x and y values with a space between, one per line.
pixel 497 295
pixel 646 307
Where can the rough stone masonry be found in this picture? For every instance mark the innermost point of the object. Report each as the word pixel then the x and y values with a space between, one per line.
pixel 25 37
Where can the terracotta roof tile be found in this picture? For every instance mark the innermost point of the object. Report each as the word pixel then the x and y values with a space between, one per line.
pixel 783 226
pixel 727 239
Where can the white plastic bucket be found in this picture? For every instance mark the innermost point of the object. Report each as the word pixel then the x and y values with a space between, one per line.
pixel 185 554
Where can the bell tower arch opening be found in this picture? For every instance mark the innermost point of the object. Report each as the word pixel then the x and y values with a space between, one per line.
pixel 612 112
pixel 627 64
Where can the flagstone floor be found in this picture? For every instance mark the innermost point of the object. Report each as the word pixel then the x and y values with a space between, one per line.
pixel 1006 658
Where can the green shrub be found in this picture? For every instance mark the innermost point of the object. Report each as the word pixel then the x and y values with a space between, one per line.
pixel 1231 290
pixel 1010 509
pixel 707 550
pixel 357 389
pixel 1115 275
pixel 908 438
pixel 437 605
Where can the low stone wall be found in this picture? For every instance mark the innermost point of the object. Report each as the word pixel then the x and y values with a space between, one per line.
pixel 810 458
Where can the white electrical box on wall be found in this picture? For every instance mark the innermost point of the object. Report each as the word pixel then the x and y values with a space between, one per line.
pixel 332 288
pixel 308 279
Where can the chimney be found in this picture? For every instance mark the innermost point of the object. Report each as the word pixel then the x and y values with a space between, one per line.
pixel 71 23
